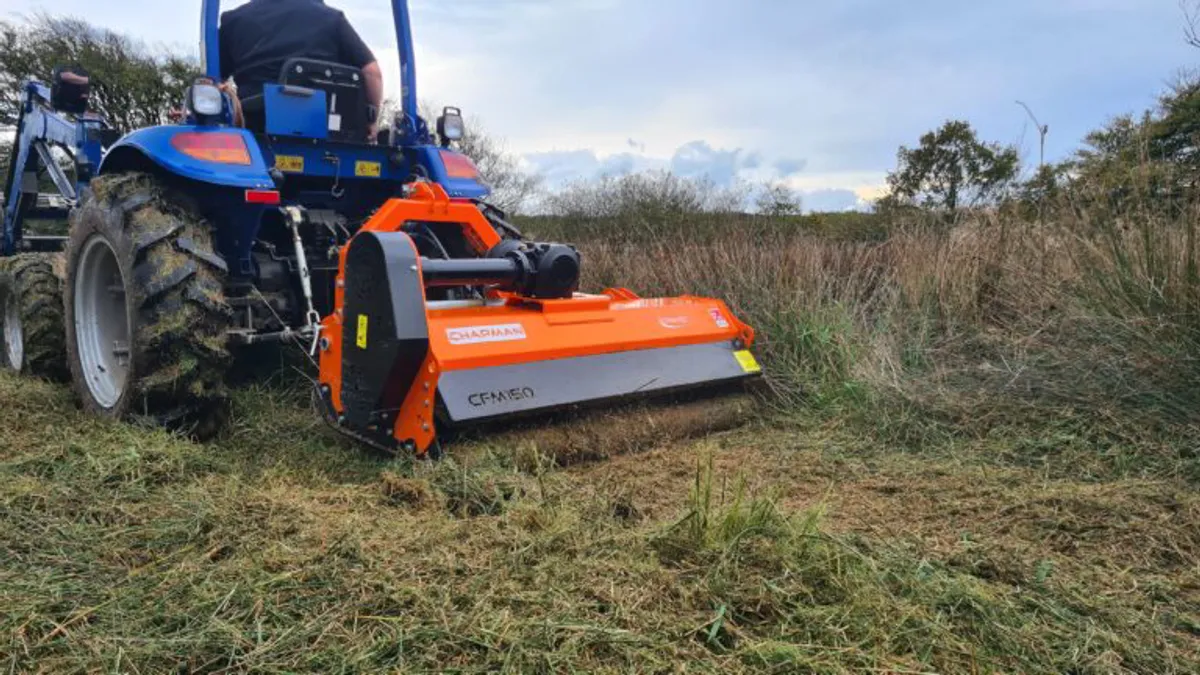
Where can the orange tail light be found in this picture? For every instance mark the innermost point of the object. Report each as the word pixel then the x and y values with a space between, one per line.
pixel 459 166
pixel 221 147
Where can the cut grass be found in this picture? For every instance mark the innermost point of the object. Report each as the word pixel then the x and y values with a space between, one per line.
pixel 279 549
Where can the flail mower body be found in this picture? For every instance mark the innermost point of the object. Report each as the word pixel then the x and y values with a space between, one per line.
pixel 397 366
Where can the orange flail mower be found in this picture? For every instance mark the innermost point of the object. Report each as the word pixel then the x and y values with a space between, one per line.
pixel 418 344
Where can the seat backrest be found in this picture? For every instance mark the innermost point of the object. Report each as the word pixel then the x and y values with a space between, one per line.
pixel 345 93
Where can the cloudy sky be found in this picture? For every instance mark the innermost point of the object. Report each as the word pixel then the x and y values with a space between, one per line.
pixel 819 94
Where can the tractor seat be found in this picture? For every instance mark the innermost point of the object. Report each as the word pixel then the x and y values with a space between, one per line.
pixel 349 114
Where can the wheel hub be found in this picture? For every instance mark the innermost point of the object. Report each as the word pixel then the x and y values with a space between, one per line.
pixel 14 338
pixel 102 322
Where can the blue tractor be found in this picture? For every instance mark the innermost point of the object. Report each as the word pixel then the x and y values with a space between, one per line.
pixel 425 308
pixel 189 240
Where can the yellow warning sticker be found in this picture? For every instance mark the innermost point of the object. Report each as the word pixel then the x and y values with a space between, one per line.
pixel 368 169
pixel 363 322
pixel 289 163
pixel 747 361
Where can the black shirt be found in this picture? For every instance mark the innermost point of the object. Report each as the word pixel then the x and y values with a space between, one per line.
pixel 257 38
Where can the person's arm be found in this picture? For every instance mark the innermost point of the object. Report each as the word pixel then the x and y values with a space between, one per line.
pixel 355 52
pixel 373 75
pixel 229 88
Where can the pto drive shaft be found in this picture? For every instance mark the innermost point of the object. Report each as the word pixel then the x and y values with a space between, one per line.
pixel 543 271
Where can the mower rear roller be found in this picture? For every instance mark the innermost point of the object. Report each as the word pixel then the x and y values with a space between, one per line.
pixel 145 311
pixel 581 436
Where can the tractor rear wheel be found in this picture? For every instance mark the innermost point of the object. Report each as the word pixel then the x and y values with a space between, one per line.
pixel 31 301
pixel 145 309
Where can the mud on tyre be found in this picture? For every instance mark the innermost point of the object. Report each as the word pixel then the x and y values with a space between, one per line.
pixel 145 310
pixel 33 340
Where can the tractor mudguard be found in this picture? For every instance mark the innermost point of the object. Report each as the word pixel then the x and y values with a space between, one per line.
pixel 155 144
pixel 453 170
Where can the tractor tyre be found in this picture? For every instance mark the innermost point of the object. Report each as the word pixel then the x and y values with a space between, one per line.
pixel 34 339
pixel 145 308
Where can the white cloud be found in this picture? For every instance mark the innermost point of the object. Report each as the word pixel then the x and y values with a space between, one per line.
pixel 834 191
pixel 698 159
pixel 867 185
pixel 831 201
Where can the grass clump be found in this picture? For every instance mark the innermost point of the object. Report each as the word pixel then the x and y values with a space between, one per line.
pixel 470 493
pixel 788 596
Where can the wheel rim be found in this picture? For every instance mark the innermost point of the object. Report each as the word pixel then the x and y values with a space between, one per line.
pixel 101 322
pixel 14 338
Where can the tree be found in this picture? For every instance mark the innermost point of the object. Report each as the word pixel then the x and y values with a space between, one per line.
pixel 1174 136
pixel 1136 160
pixel 1044 189
pixel 1152 156
pixel 131 86
pixel 512 186
pixel 778 200
pixel 1111 152
pixel 952 168
pixel 1191 17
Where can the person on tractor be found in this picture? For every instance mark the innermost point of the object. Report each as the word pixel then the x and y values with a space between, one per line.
pixel 260 36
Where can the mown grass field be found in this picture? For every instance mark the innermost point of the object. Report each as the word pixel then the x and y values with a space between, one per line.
pixel 979 455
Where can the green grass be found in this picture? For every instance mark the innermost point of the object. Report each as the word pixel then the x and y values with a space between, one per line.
pixel 279 549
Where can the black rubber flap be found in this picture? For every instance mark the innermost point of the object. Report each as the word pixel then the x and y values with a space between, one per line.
pixel 485 393
pixel 385 337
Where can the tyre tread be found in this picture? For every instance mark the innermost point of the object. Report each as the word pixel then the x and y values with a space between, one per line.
pixel 180 351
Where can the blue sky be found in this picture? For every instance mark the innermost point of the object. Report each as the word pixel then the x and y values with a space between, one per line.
pixel 819 94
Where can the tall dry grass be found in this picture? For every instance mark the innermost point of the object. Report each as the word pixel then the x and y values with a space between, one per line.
pixel 1084 322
